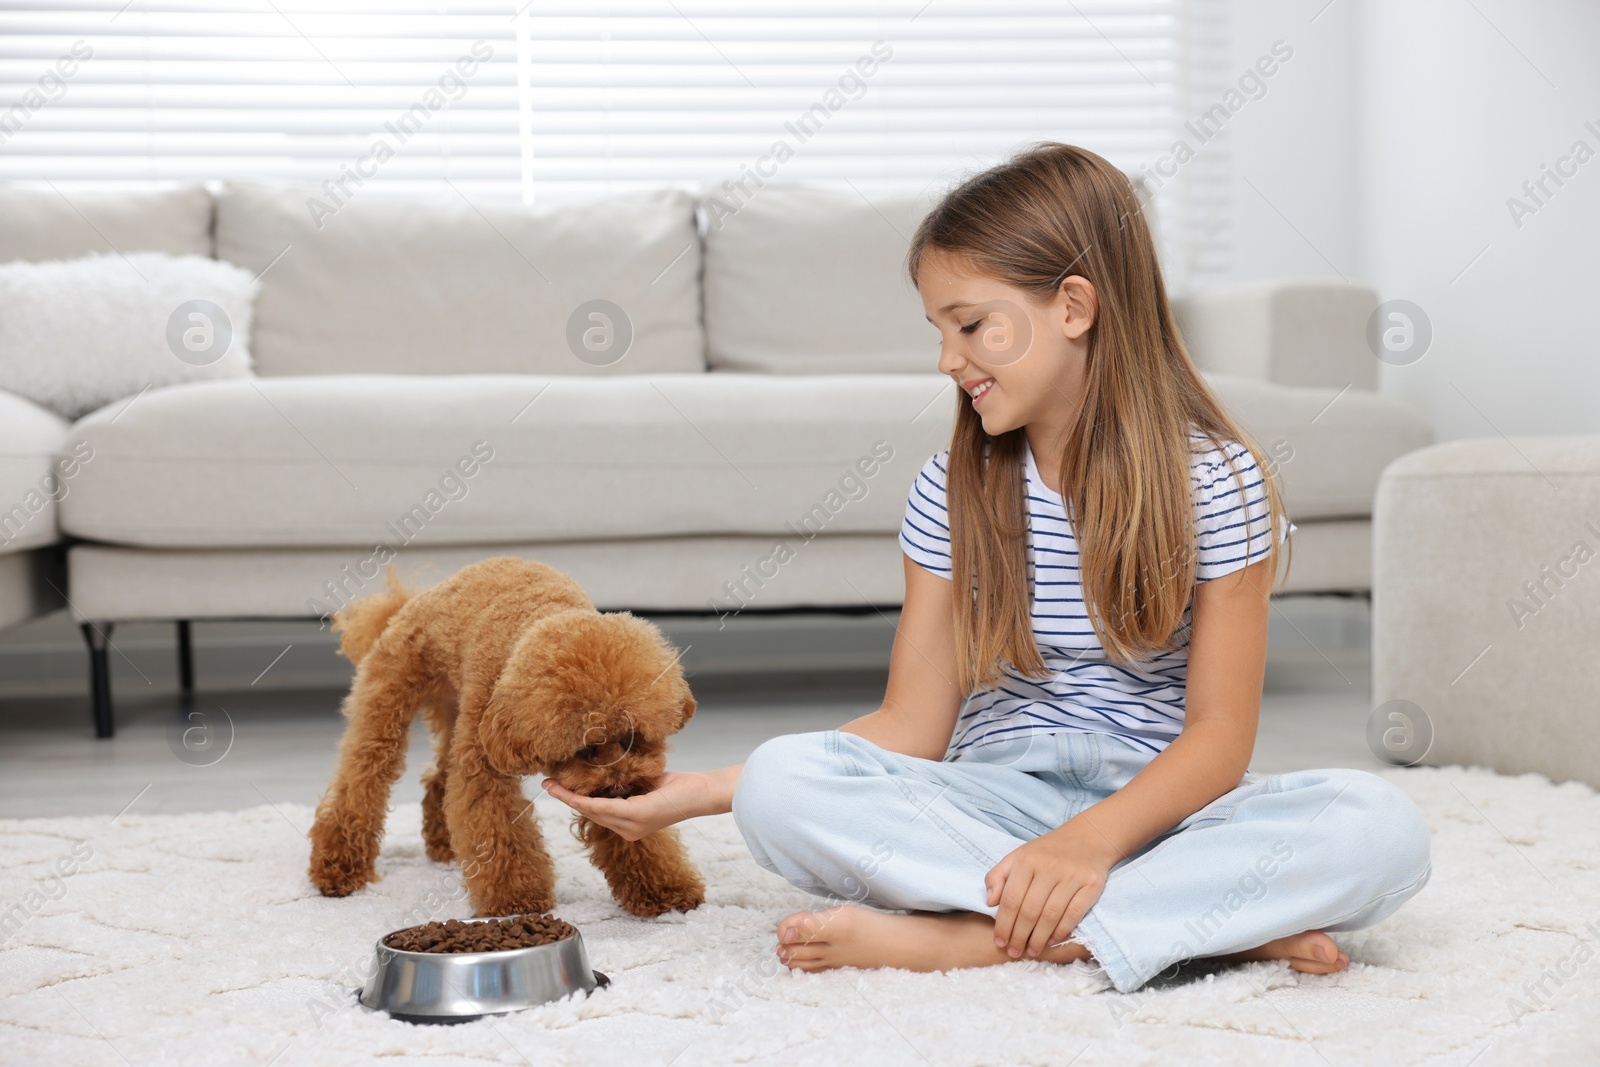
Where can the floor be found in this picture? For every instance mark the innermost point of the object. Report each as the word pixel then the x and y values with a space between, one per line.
pixel 197 938
pixel 176 923
pixel 240 746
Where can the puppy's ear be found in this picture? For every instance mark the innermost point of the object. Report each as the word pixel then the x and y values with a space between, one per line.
pixel 515 736
pixel 526 724
pixel 559 691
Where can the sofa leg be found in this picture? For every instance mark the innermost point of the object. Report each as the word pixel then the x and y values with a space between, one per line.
pixel 98 634
pixel 185 657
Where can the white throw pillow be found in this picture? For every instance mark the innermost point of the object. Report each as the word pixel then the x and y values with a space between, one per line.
pixel 77 334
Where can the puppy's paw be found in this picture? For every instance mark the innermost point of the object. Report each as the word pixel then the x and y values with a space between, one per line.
pixel 673 894
pixel 436 840
pixel 340 866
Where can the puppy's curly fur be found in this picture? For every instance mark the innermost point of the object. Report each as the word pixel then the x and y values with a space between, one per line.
pixel 516 673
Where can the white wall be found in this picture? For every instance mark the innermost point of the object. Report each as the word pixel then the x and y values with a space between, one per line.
pixel 1456 113
pixel 1295 151
pixel 1388 147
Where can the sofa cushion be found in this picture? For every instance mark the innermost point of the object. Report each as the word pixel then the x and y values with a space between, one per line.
pixel 37 469
pixel 42 224
pixel 365 459
pixel 803 279
pixel 361 459
pixel 382 284
pixel 1294 332
pixel 1328 445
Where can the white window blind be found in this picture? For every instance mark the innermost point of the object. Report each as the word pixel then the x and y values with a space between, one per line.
pixel 186 91
pixel 545 101
pixel 645 93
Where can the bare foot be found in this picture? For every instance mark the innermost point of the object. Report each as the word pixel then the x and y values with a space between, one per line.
pixel 848 936
pixel 1313 952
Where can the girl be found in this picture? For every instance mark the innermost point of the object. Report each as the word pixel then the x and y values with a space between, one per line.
pixel 1058 770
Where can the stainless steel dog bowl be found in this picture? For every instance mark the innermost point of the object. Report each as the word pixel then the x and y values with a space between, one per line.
pixel 458 987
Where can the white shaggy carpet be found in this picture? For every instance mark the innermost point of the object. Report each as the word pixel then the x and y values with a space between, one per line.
pixel 198 939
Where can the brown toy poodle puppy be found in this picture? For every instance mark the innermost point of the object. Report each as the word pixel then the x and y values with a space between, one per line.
pixel 517 674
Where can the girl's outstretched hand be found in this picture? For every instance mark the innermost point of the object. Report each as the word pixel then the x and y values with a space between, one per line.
pixel 1045 887
pixel 681 795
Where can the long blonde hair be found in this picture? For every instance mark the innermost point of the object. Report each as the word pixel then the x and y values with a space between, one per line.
pixel 1050 210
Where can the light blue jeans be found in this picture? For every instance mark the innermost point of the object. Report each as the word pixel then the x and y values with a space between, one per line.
pixel 1328 850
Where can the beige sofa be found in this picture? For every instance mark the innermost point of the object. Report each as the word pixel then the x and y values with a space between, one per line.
pixel 32 443
pixel 740 436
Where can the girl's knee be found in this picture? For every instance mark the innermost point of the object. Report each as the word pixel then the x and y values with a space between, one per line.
pixel 777 781
pixel 1386 824
pixel 1394 845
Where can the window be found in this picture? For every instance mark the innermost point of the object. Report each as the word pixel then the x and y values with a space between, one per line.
pixel 545 100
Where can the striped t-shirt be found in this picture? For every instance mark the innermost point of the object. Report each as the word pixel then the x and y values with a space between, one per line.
pixel 1084 691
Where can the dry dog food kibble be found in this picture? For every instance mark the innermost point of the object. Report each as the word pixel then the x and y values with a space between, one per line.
pixel 491 935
